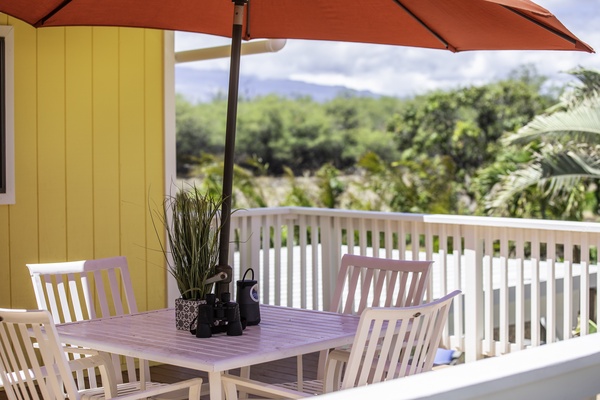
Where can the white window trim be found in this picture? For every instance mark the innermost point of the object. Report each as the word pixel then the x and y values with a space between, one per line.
pixel 9 96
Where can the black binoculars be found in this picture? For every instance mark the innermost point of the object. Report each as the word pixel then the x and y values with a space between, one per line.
pixel 218 316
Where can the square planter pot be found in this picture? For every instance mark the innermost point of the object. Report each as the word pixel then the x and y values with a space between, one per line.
pixel 185 312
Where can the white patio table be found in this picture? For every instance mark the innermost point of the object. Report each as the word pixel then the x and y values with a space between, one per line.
pixel 283 332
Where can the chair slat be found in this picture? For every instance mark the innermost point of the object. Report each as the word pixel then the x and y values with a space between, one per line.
pixel 62 286
pixel 75 298
pixel 54 304
pixel 101 294
pixel 115 291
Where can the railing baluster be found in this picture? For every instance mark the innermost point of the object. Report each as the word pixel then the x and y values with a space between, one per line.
pixel 503 306
pixel 535 297
pixel 278 261
pixel 303 260
pixel 315 265
pixel 488 289
pixel 567 286
pixel 584 284
pixel 519 291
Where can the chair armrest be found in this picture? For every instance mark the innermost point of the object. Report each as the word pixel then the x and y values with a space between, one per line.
pixel 338 355
pixel 194 386
pixel 233 384
pixel 93 361
pixel 101 361
pixel 79 350
pixel 334 367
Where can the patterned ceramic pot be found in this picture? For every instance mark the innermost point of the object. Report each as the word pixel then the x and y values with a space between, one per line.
pixel 185 312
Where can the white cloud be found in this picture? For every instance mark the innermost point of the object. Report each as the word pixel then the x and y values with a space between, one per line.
pixel 403 71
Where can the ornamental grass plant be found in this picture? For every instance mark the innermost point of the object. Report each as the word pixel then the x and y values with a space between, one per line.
pixel 192 222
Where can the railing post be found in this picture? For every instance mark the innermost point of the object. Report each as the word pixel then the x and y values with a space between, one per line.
pixel 473 293
pixel 329 257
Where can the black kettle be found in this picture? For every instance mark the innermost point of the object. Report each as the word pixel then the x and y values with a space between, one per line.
pixel 247 298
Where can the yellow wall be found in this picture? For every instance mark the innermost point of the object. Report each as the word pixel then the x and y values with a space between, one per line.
pixel 89 155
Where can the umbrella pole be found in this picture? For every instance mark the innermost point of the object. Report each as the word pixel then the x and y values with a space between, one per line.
pixel 232 102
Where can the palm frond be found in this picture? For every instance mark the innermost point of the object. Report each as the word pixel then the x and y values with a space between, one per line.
pixel 554 173
pixel 581 123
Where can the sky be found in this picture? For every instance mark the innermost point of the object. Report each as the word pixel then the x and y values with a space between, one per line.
pixel 407 71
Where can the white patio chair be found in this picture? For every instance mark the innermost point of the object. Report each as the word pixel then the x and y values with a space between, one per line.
pixel 80 290
pixel 390 343
pixel 364 281
pixel 28 337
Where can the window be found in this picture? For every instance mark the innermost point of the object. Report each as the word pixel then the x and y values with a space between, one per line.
pixel 7 153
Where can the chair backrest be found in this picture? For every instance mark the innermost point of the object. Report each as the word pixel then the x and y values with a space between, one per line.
pixel 59 288
pixel 365 281
pixel 22 334
pixel 395 342
pixel 80 290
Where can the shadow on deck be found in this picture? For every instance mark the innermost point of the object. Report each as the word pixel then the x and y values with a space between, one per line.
pixel 272 372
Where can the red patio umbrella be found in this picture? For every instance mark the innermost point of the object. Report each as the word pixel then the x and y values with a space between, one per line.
pixel 454 25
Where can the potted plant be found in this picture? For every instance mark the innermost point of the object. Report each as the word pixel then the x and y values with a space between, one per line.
pixel 192 224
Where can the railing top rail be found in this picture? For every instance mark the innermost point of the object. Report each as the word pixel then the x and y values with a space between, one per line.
pixel 558 370
pixel 537 224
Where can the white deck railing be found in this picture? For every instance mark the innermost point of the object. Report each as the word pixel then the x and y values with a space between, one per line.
pixel 565 370
pixel 524 282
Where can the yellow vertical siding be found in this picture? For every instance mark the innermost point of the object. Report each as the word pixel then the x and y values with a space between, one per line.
pixel 51 143
pixel 106 164
pixel 24 225
pixel 133 146
pixel 89 155
pixel 78 143
pixel 155 164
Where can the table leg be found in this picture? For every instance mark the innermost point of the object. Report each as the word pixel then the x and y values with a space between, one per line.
pixel 216 385
pixel 244 373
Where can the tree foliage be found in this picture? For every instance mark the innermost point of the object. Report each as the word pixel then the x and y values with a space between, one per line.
pixel 510 147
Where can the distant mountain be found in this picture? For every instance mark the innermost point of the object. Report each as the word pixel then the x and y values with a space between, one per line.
pixel 203 85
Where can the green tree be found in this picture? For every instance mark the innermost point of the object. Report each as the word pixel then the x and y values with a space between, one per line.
pixel 423 185
pixel 199 129
pixel 458 131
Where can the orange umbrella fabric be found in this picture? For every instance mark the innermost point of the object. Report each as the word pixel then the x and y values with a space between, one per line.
pixel 456 25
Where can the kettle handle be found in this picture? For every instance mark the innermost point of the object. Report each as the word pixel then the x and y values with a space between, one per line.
pixel 248 270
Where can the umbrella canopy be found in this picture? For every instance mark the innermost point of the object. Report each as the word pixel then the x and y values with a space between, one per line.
pixel 454 25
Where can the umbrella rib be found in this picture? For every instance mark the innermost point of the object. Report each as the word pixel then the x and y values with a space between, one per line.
pixel 424 25
pixel 247 35
pixel 43 20
pixel 538 23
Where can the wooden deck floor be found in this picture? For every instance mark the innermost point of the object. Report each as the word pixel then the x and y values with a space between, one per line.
pixel 273 372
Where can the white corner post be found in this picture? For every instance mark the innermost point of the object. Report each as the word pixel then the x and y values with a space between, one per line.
pixel 170 156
